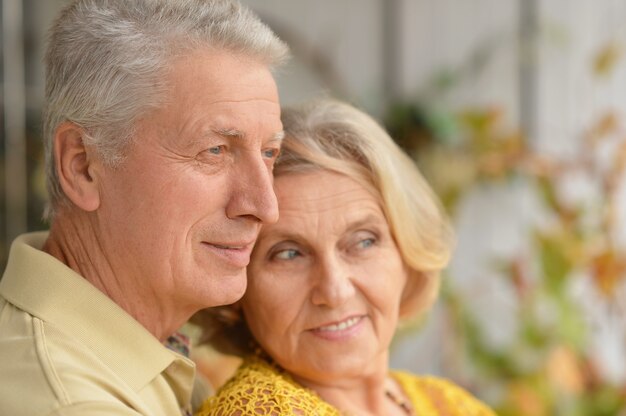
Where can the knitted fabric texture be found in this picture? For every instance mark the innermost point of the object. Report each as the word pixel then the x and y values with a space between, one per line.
pixel 261 388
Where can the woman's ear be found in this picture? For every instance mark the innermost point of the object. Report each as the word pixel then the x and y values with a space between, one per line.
pixel 75 165
pixel 419 294
pixel 409 292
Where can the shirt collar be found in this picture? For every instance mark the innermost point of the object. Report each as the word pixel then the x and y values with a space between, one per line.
pixel 41 285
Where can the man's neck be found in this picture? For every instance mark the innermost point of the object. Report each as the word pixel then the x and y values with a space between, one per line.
pixel 75 242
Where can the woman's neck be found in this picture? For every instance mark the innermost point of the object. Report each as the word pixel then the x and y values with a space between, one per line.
pixel 375 394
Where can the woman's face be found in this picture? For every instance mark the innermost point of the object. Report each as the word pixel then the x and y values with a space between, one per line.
pixel 325 281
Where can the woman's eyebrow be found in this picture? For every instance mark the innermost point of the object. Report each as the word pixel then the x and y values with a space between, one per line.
pixel 367 220
pixel 280 237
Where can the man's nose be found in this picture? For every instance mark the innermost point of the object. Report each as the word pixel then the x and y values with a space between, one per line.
pixel 253 194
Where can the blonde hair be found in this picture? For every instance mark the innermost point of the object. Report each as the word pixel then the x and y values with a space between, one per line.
pixel 334 136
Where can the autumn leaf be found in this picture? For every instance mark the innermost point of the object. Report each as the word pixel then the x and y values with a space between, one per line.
pixel 606 59
pixel 564 370
pixel 608 269
pixel 606 125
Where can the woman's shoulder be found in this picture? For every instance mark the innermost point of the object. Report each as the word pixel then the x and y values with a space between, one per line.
pixel 434 395
pixel 258 387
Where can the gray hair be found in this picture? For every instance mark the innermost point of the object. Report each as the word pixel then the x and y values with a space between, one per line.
pixel 333 136
pixel 106 61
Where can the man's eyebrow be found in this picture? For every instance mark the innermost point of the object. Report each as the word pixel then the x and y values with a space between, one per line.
pixel 239 134
pixel 279 136
pixel 229 133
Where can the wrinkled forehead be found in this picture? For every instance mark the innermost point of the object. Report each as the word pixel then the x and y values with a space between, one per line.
pixel 323 196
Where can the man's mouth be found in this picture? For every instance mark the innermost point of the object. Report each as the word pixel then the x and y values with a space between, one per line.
pixel 236 254
pixel 229 247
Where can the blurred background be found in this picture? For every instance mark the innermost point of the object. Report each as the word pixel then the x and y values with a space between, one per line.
pixel 515 111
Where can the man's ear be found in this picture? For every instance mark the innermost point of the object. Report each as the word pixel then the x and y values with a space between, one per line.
pixel 75 165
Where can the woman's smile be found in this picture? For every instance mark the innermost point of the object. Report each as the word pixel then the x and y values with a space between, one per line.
pixel 337 331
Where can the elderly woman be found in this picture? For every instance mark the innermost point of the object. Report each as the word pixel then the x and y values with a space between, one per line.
pixel 360 243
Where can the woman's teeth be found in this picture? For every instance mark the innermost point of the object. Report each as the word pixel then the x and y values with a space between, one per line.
pixel 341 325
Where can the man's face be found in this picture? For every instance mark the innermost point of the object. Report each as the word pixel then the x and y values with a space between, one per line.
pixel 180 216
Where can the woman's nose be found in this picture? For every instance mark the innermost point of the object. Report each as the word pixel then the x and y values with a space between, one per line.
pixel 334 284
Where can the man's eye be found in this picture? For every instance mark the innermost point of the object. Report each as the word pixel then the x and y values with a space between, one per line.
pixel 216 150
pixel 271 153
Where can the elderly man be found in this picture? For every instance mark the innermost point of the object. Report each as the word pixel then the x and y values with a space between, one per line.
pixel 162 124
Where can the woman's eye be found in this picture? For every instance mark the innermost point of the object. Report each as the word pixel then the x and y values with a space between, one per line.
pixel 366 242
pixel 288 254
pixel 362 240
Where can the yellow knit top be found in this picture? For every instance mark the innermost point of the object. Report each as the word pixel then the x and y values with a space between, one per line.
pixel 261 388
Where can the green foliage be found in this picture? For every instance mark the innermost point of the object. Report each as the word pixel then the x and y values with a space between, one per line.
pixel 546 369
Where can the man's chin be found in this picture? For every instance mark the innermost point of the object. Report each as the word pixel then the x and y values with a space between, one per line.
pixel 230 290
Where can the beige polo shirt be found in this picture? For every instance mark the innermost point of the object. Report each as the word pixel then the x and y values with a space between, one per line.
pixel 67 349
